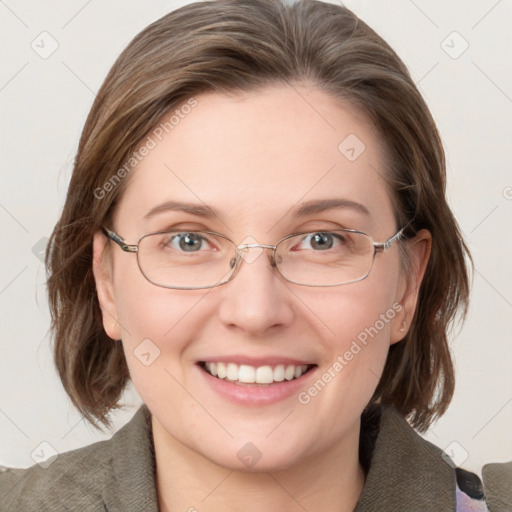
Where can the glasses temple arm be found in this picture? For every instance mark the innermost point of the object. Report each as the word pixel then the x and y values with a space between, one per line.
pixel 382 246
pixel 118 240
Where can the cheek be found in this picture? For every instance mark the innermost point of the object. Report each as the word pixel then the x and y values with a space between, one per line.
pixel 357 321
pixel 146 310
pixel 358 346
pixel 157 326
pixel 161 326
pixel 360 311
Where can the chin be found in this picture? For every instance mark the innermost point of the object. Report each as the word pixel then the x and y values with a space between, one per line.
pixel 254 457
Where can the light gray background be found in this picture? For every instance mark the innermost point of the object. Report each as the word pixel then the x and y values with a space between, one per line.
pixel 43 105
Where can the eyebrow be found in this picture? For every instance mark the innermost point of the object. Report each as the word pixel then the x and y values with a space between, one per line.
pixel 322 205
pixel 194 209
pixel 305 209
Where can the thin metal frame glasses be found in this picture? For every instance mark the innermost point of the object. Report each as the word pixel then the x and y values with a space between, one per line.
pixel 348 257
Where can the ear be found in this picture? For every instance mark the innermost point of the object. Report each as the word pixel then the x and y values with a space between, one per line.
pixel 418 250
pixel 103 272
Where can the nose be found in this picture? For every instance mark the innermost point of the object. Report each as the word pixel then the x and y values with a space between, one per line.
pixel 257 298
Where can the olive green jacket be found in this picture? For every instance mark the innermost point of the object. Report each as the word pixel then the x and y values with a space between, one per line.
pixel 404 473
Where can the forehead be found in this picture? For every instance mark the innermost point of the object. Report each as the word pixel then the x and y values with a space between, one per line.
pixel 255 156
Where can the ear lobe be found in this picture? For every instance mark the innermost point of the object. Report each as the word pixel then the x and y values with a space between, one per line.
pixel 102 270
pixel 418 250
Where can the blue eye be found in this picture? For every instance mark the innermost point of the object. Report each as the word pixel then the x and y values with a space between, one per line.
pixel 187 242
pixel 322 241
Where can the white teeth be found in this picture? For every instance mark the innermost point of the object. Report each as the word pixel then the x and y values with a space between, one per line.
pixel 289 372
pixel 246 374
pixel 279 373
pixel 232 371
pixel 221 371
pixel 264 375
pixel 259 375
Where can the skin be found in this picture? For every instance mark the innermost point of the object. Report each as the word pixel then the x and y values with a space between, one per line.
pixel 253 157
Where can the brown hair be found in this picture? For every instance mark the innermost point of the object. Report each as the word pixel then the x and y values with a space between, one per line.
pixel 233 46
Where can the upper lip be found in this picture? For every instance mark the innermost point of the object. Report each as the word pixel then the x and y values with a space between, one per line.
pixel 256 361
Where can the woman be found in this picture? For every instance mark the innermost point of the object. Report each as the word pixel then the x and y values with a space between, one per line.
pixel 256 234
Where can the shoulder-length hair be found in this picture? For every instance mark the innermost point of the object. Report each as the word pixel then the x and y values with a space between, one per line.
pixel 232 46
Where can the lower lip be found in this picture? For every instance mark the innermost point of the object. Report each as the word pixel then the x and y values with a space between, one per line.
pixel 255 395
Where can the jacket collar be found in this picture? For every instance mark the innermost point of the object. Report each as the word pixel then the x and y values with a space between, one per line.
pixel 133 486
pixel 406 472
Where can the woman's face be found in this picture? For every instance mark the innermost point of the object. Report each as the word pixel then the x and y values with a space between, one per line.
pixel 254 160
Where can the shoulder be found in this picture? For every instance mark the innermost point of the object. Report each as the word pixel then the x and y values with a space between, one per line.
pixel 497 482
pixel 490 493
pixel 75 477
pixel 118 474
pixel 404 468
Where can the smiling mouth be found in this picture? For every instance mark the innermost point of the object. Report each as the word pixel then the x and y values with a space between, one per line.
pixel 266 375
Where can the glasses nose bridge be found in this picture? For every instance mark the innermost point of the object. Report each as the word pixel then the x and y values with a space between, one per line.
pixel 241 248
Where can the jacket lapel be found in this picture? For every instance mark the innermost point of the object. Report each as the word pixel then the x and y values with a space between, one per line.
pixel 407 473
pixel 133 485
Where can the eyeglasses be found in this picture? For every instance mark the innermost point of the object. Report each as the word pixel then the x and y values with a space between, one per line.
pixel 191 260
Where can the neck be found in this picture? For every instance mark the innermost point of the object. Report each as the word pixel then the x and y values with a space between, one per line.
pixel 331 481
